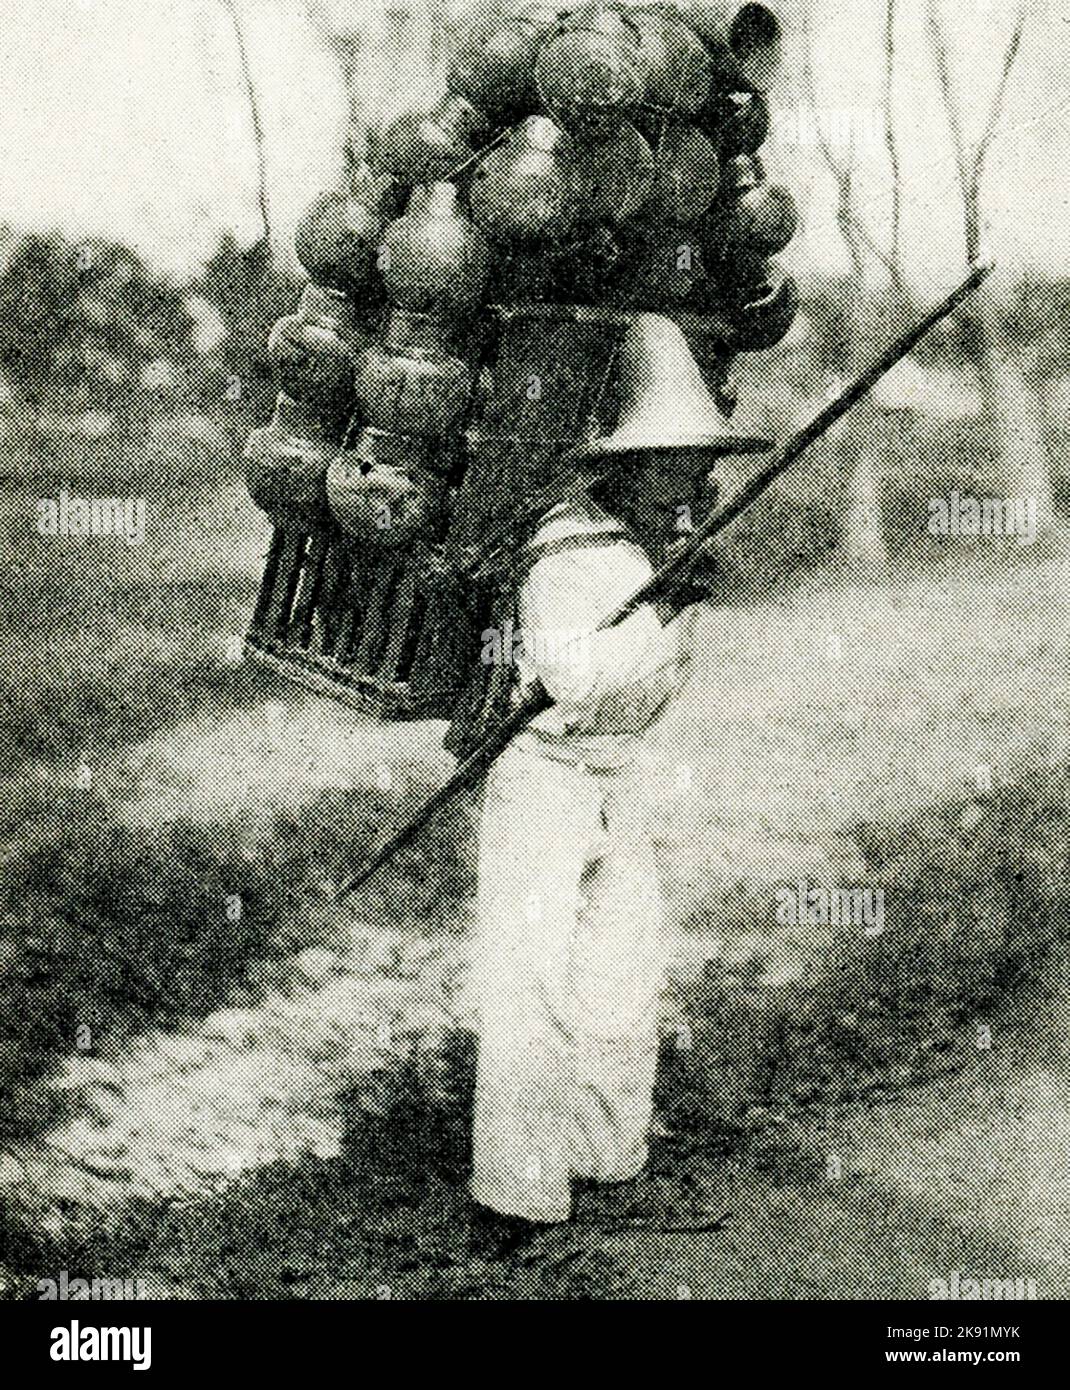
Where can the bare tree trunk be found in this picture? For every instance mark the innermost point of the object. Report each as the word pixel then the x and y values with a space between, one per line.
pixel 254 118
pixel 864 538
pixel 1012 412
pixel 891 145
pixel 347 49
pixel 857 442
pixel 1011 409
pixel 861 459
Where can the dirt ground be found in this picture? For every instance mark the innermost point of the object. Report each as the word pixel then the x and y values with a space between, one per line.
pixel 298 1130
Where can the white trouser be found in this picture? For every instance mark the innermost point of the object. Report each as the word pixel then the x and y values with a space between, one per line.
pixel 567 973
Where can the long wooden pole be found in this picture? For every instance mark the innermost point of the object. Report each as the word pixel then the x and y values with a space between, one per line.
pixel 536 699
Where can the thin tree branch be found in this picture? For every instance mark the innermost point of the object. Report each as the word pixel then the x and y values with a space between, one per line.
pixel 869 240
pixel 971 164
pixel 942 61
pixel 996 111
pixel 254 115
pixel 856 235
pixel 891 142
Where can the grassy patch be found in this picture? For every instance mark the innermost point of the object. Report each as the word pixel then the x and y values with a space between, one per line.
pixel 974 908
pixel 89 699
pixel 107 930
pixel 101 642
pixel 975 901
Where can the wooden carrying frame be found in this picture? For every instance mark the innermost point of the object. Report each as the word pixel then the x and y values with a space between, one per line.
pixel 367 626
pixel 331 621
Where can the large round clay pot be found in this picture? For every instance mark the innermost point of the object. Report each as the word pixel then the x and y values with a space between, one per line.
pixel 615 173
pixel 687 173
pixel 591 67
pixel 496 70
pixel 679 69
pixel 336 242
pixel 286 468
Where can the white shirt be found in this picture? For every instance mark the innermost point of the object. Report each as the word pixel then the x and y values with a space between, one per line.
pixel 608 686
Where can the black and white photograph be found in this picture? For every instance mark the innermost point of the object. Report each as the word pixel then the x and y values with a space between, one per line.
pixel 534 664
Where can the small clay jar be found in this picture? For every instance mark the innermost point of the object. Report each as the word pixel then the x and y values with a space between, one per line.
pixel 313 352
pixel 745 40
pixel 383 491
pixel 428 146
pixel 761 301
pixel 753 217
pixel 528 188
pixel 737 122
pixel 286 467
pixel 434 259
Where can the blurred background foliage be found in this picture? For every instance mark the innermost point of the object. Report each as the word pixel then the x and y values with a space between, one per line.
pixel 98 336
pixel 88 326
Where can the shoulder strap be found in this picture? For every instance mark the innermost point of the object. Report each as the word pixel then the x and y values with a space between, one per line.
pixel 587 540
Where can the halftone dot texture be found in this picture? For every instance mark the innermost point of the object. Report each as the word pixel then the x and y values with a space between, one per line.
pixel 218 1080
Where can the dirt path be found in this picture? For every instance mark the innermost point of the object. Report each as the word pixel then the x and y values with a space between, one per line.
pixel 845 706
pixel 967 1175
